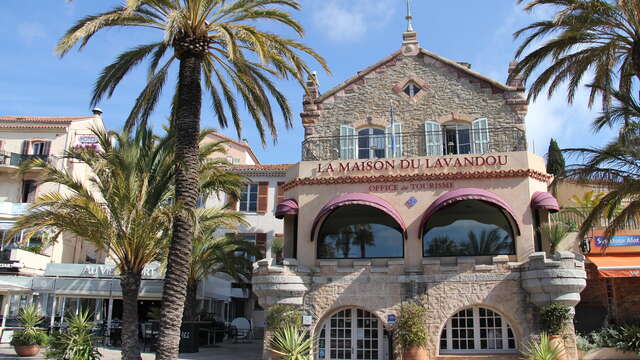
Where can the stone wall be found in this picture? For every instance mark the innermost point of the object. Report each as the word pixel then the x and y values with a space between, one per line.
pixel 448 94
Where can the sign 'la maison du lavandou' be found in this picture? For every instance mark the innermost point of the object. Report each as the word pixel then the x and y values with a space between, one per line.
pixel 412 164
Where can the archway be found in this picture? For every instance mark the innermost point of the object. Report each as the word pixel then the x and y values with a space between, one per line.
pixel 350 334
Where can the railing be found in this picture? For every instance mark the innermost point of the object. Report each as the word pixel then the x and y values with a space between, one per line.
pixel 11 208
pixel 415 144
pixel 17 159
pixel 575 216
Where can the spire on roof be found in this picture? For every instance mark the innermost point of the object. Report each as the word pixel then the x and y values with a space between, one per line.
pixel 409 17
pixel 410 44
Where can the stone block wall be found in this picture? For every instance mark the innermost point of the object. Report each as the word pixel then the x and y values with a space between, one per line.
pixel 448 94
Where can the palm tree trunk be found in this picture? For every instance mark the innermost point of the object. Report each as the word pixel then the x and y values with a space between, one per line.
pixel 635 58
pixel 187 124
pixel 130 283
pixel 190 304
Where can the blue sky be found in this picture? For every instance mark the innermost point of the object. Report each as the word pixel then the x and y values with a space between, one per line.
pixel 350 34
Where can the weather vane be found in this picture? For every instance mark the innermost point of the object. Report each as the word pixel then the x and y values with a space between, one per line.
pixel 409 17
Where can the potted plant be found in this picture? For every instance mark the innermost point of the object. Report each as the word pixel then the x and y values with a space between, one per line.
pixel 542 349
pixel 290 342
pixel 412 331
pixel 554 318
pixel 76 342
pixel 28 340
pixel 280 316
pixel 554 232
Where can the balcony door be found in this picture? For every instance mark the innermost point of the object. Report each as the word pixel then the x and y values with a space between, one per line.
pixel 371 143
pixel 351 334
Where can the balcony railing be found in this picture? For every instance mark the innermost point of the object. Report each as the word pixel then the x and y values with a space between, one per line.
pixel 415 144
pixel 17 159
pixel 575 216
pixel 11 208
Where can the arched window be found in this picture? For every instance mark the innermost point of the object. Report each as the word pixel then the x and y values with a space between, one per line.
pixel 468 228
pixel 477 330
pixel 359 231
pixel 350 334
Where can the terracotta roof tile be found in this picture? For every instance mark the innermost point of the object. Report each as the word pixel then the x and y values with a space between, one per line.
pixel 263 167
pixel 45 119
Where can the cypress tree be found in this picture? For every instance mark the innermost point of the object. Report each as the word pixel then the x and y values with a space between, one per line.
pixel 555 160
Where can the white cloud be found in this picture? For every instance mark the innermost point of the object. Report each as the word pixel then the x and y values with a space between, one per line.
pixel 350 20
pixel 30 31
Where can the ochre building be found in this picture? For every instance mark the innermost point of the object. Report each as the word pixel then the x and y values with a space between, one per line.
pixel 416 185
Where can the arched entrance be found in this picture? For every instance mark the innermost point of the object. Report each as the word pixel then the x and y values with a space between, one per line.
pixel 351 334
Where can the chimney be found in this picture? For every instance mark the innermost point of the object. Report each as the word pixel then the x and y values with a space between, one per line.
pixel 515 80
pixel 96 111
pixel 310 109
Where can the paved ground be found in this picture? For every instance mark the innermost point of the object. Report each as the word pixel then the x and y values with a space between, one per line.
pixel 248 351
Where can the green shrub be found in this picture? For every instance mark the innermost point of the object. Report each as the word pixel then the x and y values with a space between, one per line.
pixel 36 249
pixel 542 349
pixel 291 342
pixel 554 317
pixel 76 342
pixel 623 337
pixel 280 315
pixel 583 343
pixel 29 318
pixel 412 326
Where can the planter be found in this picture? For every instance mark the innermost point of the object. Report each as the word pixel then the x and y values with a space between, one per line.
pixel 415 353
pixel 27 350
pixel 558 341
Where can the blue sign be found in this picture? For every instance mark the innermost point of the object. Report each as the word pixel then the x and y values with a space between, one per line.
pixel 321 353
pixel 411 202
pixel 619 240
pixel 391 319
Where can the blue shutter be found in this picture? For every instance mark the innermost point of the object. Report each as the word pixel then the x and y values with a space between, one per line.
pixel 480 131
pixel 433 138
pixel 348 140
pixel 396 141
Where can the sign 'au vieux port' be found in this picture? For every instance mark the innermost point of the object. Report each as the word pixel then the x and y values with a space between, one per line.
pixel 412 164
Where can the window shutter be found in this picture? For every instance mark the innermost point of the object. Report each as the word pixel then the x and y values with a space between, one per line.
pixel 396 141
pixel 280 193
pixel 47 148
pixel 480 131
pixel 433 138
pixel 347 142
pixel 261 243
pixel 263 195
pixel 25 147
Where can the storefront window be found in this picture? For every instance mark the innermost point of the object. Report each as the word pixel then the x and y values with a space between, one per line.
pixel 359 231
pixel 468 228
pixel 477 330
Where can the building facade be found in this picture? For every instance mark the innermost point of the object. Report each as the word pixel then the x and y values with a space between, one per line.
pixel 416 186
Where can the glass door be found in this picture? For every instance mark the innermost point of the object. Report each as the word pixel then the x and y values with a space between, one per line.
pixel 351 334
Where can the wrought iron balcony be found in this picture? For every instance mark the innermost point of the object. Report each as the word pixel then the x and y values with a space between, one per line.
pixel 17 159
pixel 415 144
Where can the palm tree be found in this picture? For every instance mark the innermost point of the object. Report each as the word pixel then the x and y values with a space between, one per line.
pixel 216 44
pixel 123 209
pixel 618 166
pixel 584 36
pixel 554 232
pixel 213 254
pixel 488 242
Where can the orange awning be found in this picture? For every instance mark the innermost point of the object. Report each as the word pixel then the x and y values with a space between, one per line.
pixel 617 265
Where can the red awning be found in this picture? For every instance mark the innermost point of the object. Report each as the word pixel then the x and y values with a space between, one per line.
pixel 468 194
pixel 544 200
pixel 287 207
pixel 358 199
pixel 618 265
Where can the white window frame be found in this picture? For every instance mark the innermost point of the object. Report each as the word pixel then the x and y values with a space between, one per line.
pixel 348 142
pixel 457 127
pixel 433 138
pixel 379 138
pixel 247 198
pixel 476 335
pixel 480 136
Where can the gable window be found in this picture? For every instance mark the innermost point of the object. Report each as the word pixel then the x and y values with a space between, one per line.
pixel 249 198
pixel 411 89
pixel 477 330
pixel 371 143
